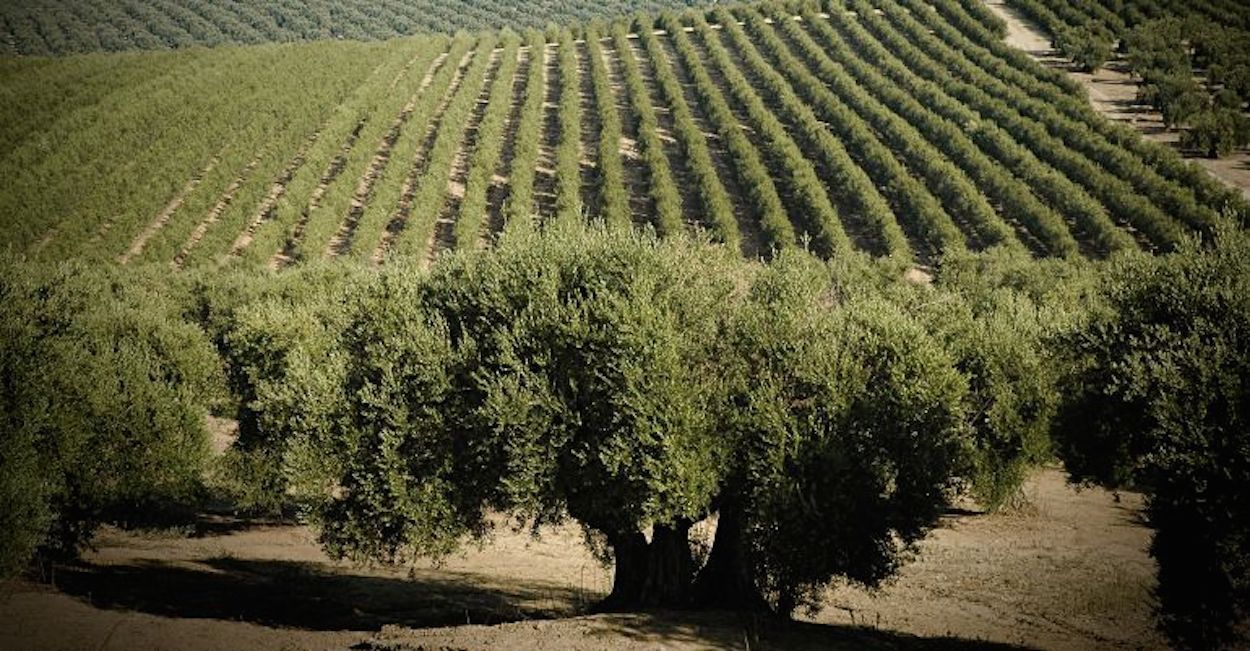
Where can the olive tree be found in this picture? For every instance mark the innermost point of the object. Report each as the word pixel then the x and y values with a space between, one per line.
pixel 103 394
pixel 1158 399
pixel 639 387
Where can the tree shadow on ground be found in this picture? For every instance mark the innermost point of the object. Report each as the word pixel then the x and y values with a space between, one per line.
pixel 731 630
pixel 310 596
pixel 698 630
pixel 313 597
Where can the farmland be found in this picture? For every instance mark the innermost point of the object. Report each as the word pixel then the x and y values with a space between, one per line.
pixel 749 307
pixel 855 129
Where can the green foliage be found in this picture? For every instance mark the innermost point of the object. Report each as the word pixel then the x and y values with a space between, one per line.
pixel 631 385
pixel 1089 49
pixel 998 314
pixel 556 373
pixel 846 419
pixel 1217 132
pixel 1158 400
pixel 104 395
pixel 277 337
pixel 78 26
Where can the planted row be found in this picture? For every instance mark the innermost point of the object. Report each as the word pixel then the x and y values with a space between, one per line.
pixel 914 103
pixel 931 228
pixel 713 198
pixel 520 206
pixel 397 176
pixel 1115 194
pixel 430 193
pixel 613 197
pixel 812 209
pixel 854 114
pixel 354 184
pixel 490 141
pixel 665 198
pixel 569 146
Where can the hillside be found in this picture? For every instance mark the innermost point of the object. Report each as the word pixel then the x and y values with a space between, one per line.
pixel 894 127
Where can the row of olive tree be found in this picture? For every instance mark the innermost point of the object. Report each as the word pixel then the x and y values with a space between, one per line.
pixel 824 413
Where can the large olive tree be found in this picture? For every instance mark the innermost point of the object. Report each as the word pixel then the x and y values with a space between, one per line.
pixel 639 387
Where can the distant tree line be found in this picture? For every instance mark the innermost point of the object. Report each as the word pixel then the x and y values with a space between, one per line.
pixel 54 27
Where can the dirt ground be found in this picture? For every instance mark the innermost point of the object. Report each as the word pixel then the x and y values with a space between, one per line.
pixel 1113 92
pixel 1067 570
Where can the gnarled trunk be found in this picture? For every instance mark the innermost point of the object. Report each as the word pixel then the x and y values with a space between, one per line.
pixel 726 581
pixel 655 574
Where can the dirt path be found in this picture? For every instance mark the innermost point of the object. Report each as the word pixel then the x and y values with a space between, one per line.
pixel 1069 570
pixel 162 218
pixel 1113 92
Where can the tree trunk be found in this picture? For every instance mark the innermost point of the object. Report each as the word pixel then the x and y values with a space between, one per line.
pixel 650 575
pixel 629 551
pixel 727 580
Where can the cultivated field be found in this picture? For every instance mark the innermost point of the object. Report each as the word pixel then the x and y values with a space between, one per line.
pixel 898 128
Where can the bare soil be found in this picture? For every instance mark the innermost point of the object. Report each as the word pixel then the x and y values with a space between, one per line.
pixel 1063 570
pixel 1113 92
